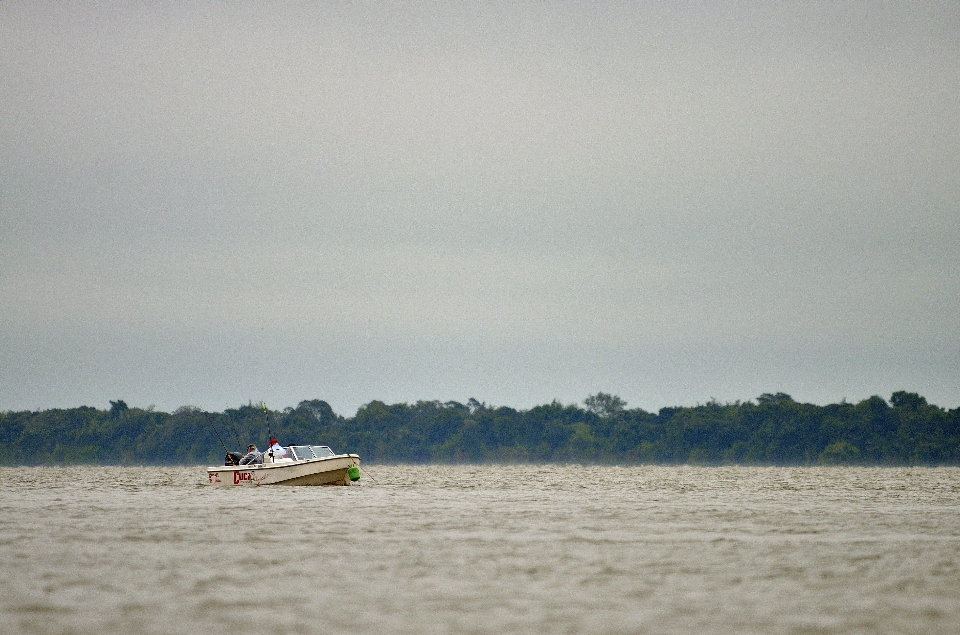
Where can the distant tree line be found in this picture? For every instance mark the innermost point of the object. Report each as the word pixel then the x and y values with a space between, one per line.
pixel 771 430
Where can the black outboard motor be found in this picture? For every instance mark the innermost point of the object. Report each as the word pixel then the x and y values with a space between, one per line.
pixel 232 458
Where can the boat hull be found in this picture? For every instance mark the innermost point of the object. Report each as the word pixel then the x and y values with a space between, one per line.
pixel 330 470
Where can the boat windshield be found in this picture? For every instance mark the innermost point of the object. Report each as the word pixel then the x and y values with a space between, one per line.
pixel 303 452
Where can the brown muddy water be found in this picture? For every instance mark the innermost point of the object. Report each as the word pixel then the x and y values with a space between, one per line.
pixel 488 549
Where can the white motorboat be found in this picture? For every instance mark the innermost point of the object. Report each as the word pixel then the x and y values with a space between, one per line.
pixel 292 465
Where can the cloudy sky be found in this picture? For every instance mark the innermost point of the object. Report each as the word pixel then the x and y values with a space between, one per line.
pixel 212 203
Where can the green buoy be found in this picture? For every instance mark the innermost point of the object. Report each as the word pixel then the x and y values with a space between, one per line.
pixel 353 472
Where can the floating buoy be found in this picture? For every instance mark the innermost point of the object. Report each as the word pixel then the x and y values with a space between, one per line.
pixel 353 472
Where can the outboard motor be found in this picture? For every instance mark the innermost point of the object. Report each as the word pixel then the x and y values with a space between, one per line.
pixel 232 458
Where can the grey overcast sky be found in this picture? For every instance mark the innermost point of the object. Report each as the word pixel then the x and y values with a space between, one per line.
pixel 212 203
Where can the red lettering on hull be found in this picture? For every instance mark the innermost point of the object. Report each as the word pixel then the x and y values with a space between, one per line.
pixel 240 477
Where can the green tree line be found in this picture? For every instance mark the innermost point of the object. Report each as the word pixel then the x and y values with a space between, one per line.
pixel 773 429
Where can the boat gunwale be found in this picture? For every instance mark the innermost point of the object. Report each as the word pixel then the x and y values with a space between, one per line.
pixel 283 464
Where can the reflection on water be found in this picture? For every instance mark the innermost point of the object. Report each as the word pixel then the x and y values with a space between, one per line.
pixel 491 549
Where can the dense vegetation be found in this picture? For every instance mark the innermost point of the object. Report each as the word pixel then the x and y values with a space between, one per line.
pixel 772 430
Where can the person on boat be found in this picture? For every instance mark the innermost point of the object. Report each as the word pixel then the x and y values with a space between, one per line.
pixel 275 450
pixel 253 456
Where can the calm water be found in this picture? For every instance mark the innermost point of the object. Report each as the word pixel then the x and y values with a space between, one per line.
pixel 515 549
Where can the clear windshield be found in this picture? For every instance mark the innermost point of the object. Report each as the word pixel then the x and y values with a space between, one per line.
pixel 303 452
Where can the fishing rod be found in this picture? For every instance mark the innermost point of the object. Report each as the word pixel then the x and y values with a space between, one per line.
pixel 216 432
pixel 266 421
pixel 236 431
pixel 229 457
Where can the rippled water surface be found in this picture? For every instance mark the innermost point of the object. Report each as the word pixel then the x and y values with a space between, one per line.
pixel 517 549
